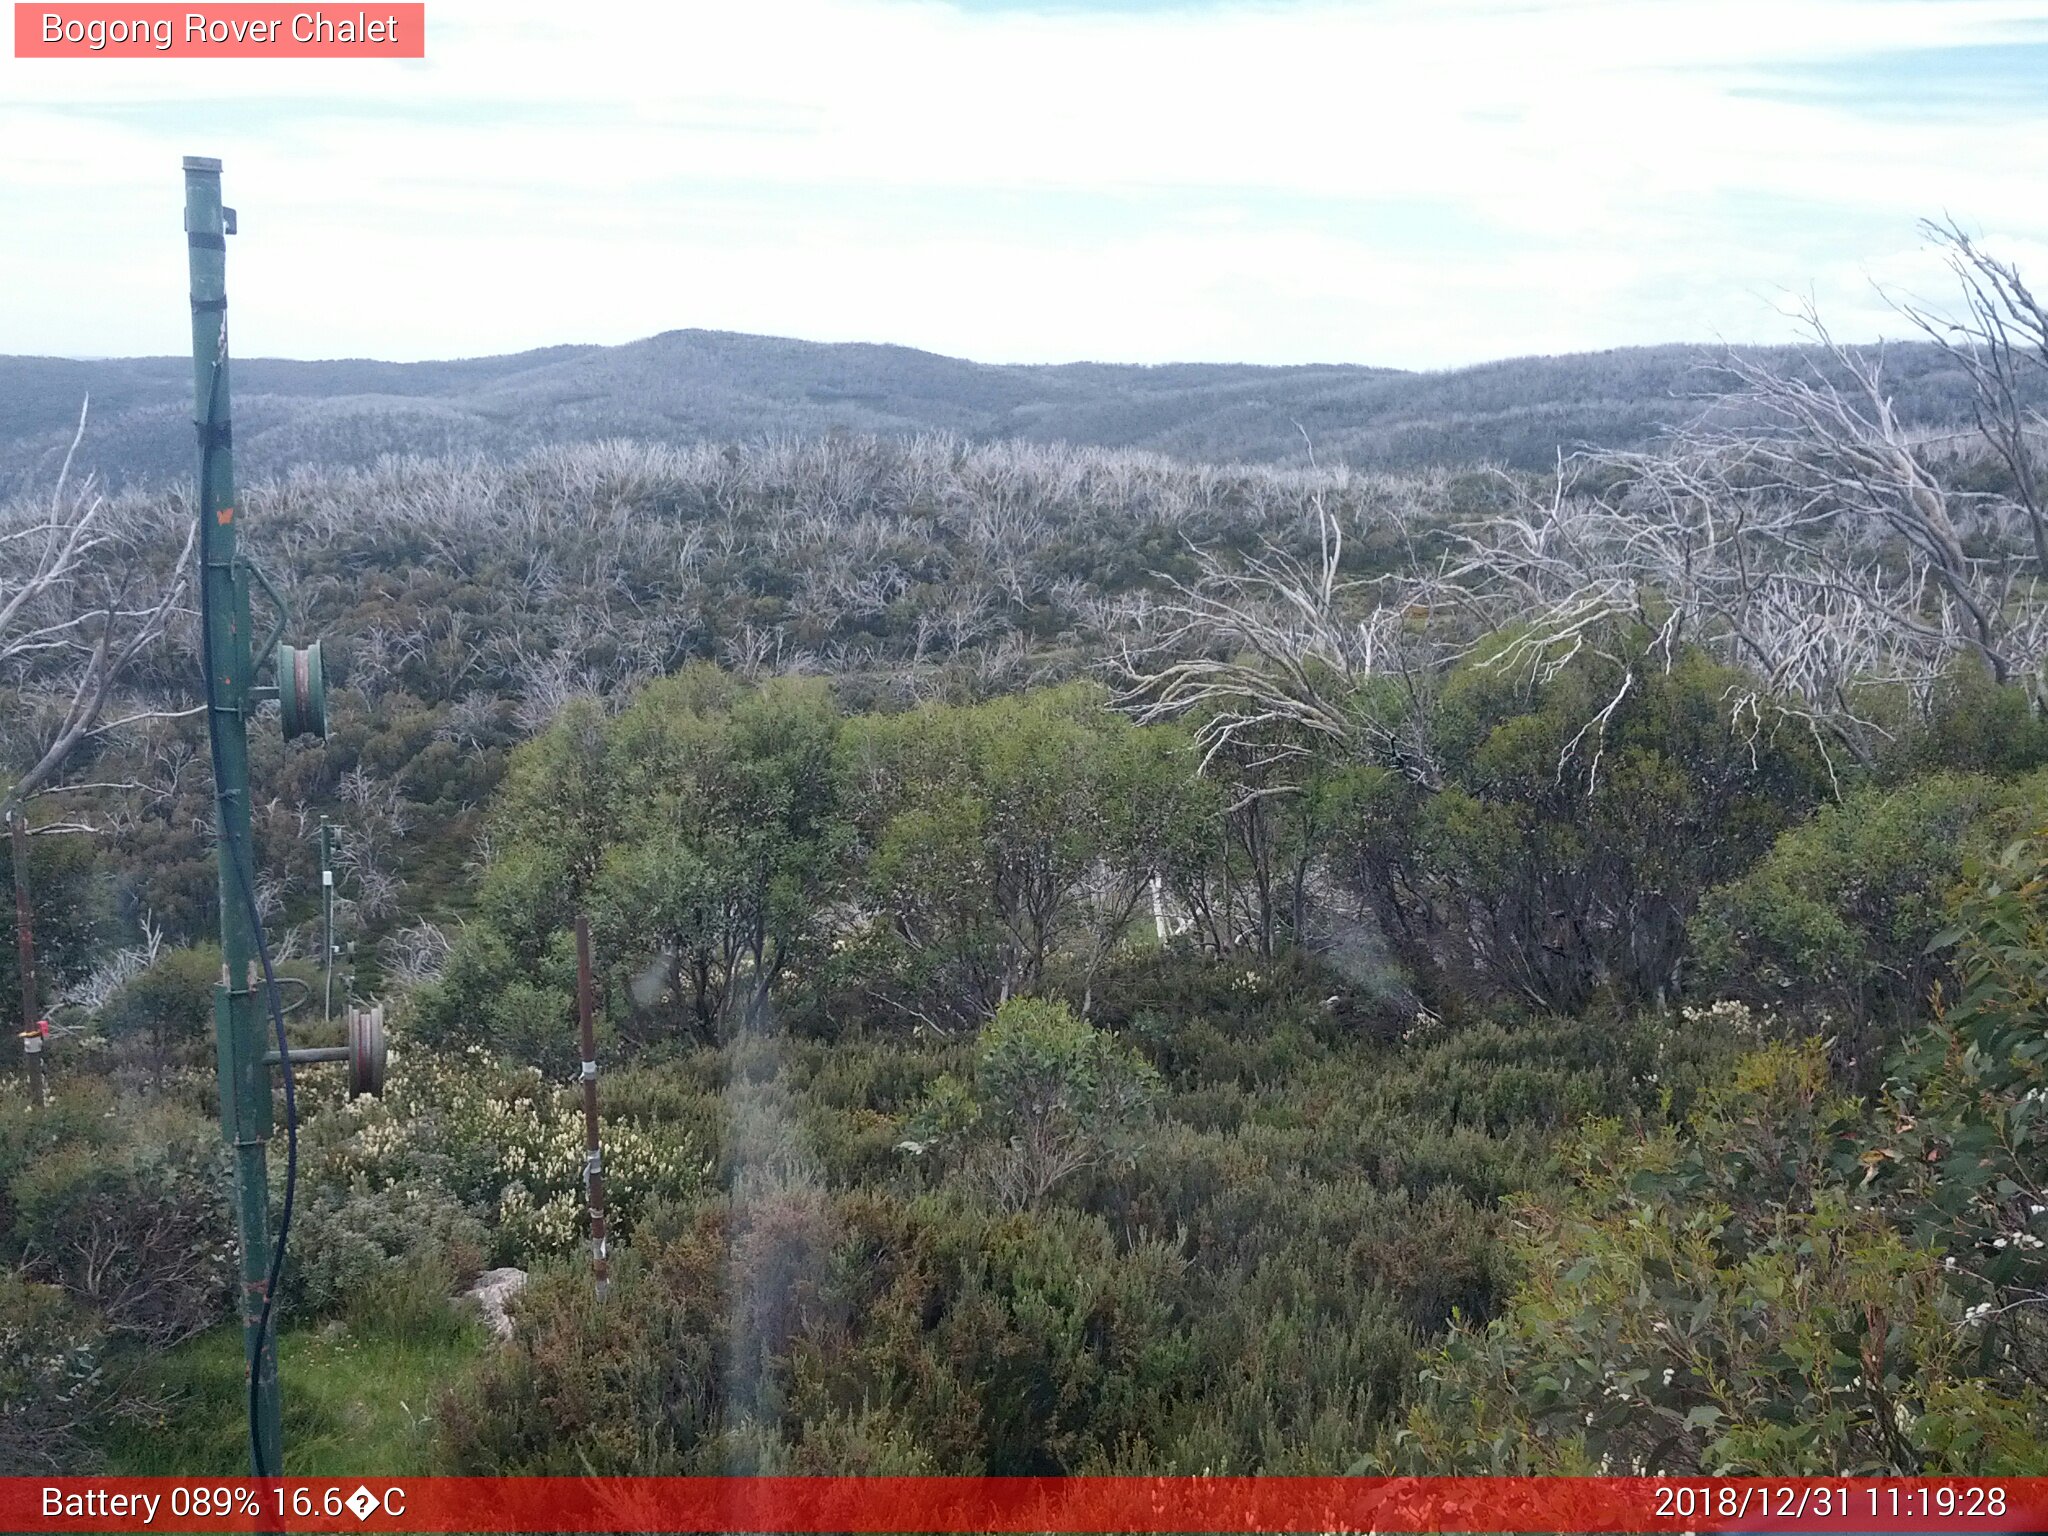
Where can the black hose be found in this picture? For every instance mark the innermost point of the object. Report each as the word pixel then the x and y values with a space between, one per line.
pixel 238 858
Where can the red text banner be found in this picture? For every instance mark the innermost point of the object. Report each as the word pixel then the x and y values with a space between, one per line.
pixel 936 1504
pixel 232 31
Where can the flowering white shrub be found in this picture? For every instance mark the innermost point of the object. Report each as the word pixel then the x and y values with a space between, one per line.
pixel 1750 1025
pixel 508 1144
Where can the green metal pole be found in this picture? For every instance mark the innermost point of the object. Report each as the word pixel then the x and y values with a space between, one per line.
pixel 238 1029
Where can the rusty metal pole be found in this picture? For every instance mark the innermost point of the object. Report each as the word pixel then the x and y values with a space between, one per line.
pixel 31 1031
pixel 593 1155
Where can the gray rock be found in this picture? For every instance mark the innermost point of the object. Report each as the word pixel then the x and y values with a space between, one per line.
pixel 494 1289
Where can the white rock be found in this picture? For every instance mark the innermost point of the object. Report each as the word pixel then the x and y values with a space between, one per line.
pixel 494 1288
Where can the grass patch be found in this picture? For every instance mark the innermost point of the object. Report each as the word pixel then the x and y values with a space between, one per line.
pixel 353 1405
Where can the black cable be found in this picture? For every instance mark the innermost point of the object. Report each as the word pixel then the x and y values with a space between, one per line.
pixel 238 855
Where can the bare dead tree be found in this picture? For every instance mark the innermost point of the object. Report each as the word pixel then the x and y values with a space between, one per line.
pixel 417 953
pixel 80 602
pixel 471 719
pixel 92 992
pixel 1798 530
pixel 1269 655
pixel 547 682
pixel 2001 342
pixel 753 652
pixel 376 819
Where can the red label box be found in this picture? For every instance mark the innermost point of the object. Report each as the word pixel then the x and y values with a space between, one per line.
pixel 231 31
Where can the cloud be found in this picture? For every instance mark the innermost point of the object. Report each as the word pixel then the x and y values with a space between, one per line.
pixel 1408 182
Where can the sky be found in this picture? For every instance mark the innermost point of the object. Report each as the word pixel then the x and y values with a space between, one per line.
pixel 1404 183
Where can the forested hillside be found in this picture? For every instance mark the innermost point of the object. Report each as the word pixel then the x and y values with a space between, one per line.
pixel 1104 963
pixel 686 387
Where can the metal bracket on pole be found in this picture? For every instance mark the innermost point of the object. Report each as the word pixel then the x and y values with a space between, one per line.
pixel 277 602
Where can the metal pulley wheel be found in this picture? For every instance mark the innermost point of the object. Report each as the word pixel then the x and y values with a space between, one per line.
pixel 366 1052
pixel 302 690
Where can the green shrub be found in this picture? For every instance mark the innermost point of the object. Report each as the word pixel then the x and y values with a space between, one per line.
pixel 1577 813
pixel 82 1111
pixel 55 1388
pixel 1247 1292
pixel 450 1013
pixel 1960 1148
pixel 134 1225
pixel 347 1241
pixel 1074 1345
pixel 1722 1302
pixel 862 1442
pixel 1051 1096
pixel 1974 725
pixel 1838 915
pixel 764 1332
pixel 165 1013
pixel 632 1385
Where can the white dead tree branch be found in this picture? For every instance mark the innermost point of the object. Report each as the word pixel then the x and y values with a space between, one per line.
pixel 2001 342
pixel 80 602
pixel 417 953
pixel 1270 653
pixel 1812 541
pixel 1797 529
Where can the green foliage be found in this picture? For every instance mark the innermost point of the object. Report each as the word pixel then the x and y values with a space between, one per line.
pixel 1974 725
pixel 497 1141
pixel 367 1251
pixel 1571 842
pixel 166 1010
pixel 1962 1143
pixel 1255 837
pixel 1247 1293
pixel 747 853
pixel 457 1010
pixel 128 1216
pixel 551 818
pixel 54 1385
pixel 81 1112
pixel 1051 1097
pixel 725 845
pixel 1725 1301
pixel 702 831
pixel 1008 846
pixel 628 1385
pixel 1793 1284
pixel 1839 914
pixel 756 1336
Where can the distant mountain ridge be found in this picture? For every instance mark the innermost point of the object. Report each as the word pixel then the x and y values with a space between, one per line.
pixel 715 385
